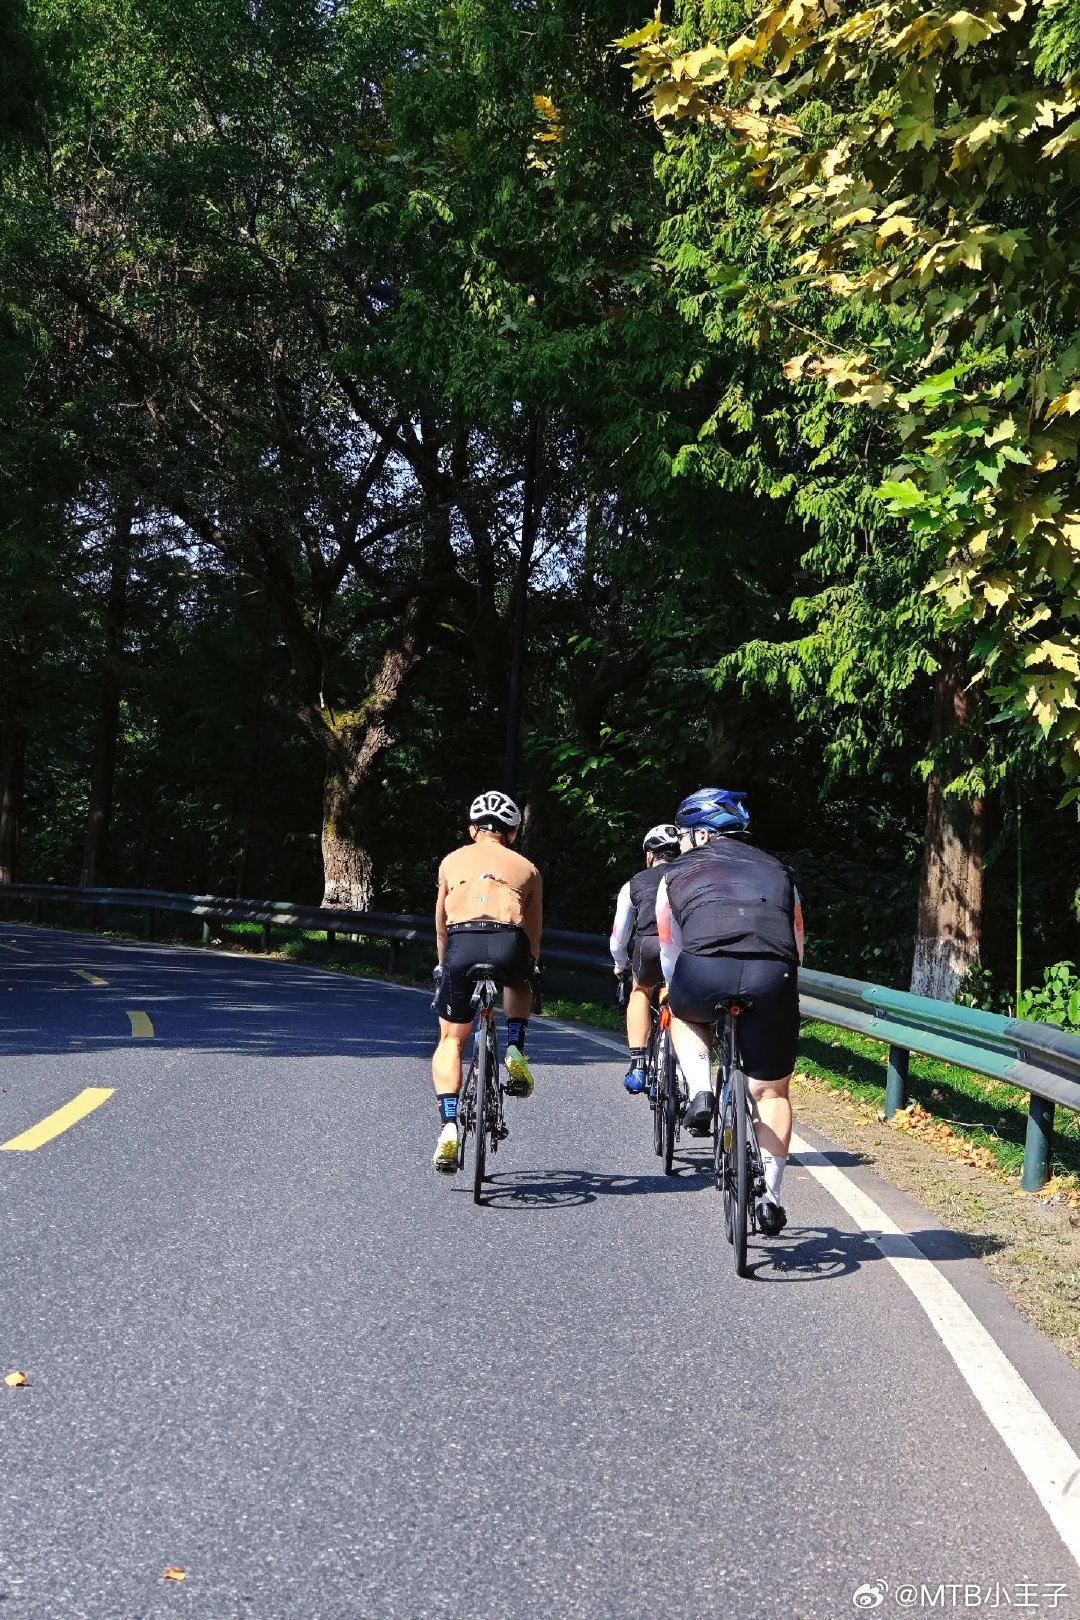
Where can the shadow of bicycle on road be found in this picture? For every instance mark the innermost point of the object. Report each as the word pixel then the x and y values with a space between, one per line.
pixel 811 1253
pixel 555 1189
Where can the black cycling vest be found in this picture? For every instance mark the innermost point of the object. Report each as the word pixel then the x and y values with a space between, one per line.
pixel 643 887
pixel 730 899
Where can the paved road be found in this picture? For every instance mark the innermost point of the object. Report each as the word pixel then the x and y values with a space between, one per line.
pixel 266 1345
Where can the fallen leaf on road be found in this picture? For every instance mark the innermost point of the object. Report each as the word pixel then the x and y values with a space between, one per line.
pixel 15 1379
pixel 174 1574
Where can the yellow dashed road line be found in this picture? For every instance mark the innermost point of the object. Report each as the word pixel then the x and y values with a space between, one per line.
pixel 91 978
pixel 62 1120
pixel 20 948
pixel 140 1024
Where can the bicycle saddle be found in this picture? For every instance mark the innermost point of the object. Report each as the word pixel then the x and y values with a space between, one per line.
pixel 733 1004
pixel 482 970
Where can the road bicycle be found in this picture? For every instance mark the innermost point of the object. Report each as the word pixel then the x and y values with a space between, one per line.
pixel 480 1105
pixel 665 1090
pixel 668 1092
pixel 737 1166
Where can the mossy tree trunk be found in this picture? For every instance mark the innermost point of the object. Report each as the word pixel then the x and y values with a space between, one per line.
pixel 356 744
pixel 948 930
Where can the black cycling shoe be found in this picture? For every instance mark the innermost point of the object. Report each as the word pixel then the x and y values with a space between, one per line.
pixel 699 1114
pixel 771 1217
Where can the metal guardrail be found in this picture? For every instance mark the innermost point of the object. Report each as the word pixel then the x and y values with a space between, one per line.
pixel 1039 1058
pixel 560 945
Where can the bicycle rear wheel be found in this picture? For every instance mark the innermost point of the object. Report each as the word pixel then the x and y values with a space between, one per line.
pixel 484 1080
pixel 740 1149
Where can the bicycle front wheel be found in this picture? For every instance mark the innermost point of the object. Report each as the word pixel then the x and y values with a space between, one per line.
pixel 466 1116
pixel 653 1073
pixel 670 1107
pixel 484 1080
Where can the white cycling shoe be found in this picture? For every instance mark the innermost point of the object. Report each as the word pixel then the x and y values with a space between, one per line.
pixel 445 1158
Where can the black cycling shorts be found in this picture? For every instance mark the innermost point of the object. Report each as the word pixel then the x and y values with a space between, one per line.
pixel 508 951
pixel 769 1030
pixel 646 964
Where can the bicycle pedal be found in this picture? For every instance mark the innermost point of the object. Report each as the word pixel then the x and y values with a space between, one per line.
pixel 500 1133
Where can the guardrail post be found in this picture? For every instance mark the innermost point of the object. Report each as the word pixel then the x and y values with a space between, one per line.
pixel 896 1080
pixel 264 938
pixel 148 923
pixel 39 910
pixel 392 956
pixel 1038 1144
pixel 331 937
pixel 206 931
pixel 95 919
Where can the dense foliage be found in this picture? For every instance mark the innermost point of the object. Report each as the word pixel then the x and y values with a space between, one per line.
pixel 388 408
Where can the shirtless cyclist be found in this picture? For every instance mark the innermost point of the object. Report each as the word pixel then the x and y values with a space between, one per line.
pixel 489 909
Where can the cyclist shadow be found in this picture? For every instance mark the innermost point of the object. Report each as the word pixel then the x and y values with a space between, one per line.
pixel 554 1189
pixel 809 1254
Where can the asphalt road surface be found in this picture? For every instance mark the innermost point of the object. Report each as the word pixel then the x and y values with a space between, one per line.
pixel 267 1346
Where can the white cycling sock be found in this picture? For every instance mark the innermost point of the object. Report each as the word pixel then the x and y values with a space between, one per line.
pixel 774 1165
pixel 697 1072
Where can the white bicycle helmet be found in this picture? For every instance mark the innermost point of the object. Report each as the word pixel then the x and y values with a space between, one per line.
pixel 494 810
pixel 662 839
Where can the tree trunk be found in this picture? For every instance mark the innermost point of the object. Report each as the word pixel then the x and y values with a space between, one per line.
pixel 356 744
pixel 348 870
pixel 12 787
pixel 107 723
pixel 949 925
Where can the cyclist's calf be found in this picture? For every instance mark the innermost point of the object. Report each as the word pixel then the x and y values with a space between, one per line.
pixel 774 1114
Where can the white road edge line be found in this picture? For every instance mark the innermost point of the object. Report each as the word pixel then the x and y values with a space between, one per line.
pixel 1045 1457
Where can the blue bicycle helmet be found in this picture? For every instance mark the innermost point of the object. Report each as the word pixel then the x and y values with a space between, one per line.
pixel 716 809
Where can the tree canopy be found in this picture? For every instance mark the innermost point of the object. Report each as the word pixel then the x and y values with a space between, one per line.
pixel 390 408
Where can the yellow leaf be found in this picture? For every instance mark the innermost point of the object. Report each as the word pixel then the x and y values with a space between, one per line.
pixel 690 65
pixel 997 589
pixel 874 394
pixel 898 225
pixel 857 216
pixel 15 1379
pixel 1057 652
pixel 643 36
pixel 174 1574
pixel 1065 405
pixel 1053 148
pixel 968 30
pixel 742 50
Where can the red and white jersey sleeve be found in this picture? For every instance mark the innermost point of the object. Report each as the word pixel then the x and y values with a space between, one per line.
pixel 669 931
